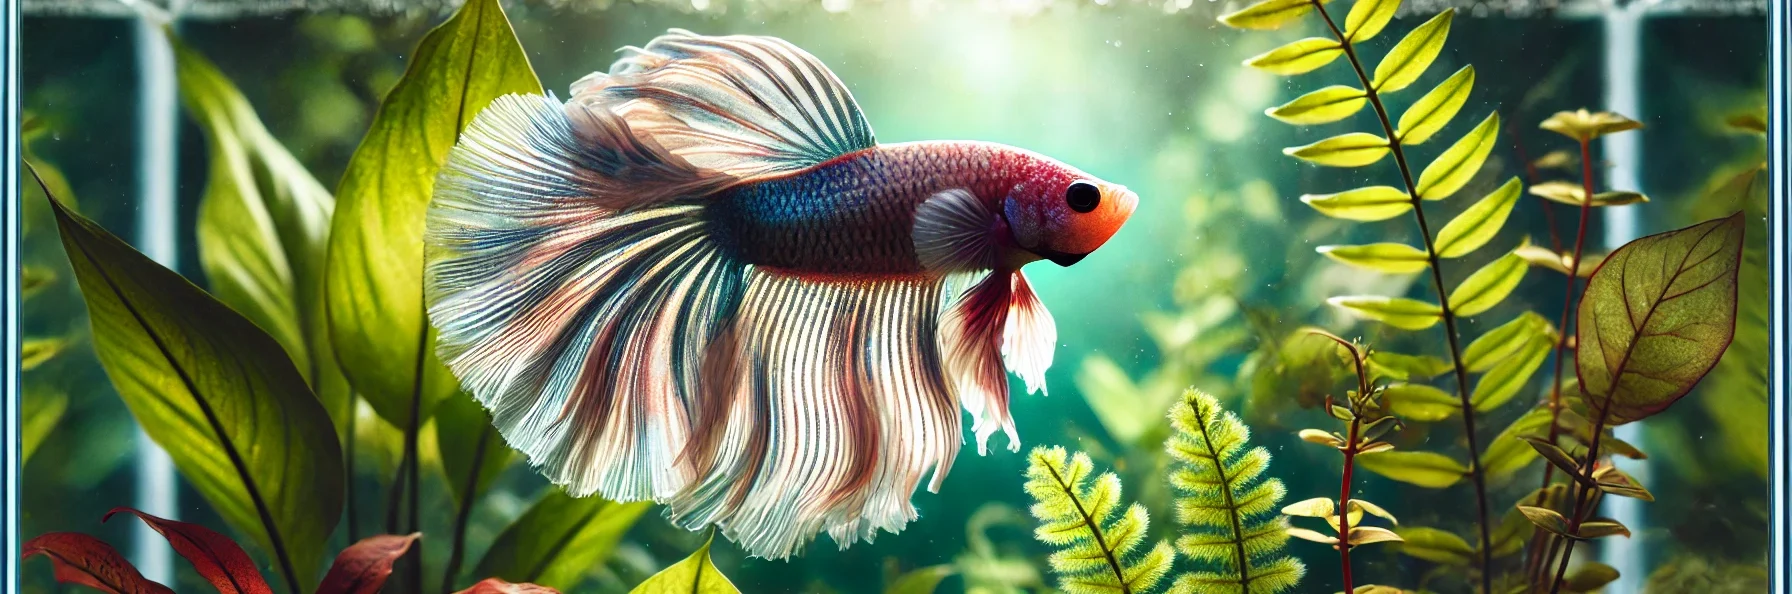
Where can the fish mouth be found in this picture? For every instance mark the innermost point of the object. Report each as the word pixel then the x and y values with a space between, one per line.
pixel 1061 258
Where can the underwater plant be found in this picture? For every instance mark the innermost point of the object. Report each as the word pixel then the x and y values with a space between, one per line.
pixel 1359 437
pixel 1098 543
pixel 1446 174
pixel 1226 505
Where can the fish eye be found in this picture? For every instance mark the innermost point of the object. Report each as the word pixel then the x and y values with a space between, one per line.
pixel 1082 196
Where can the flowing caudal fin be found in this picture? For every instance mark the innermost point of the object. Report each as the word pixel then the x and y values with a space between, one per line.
pixel 743 106
pixel 997 322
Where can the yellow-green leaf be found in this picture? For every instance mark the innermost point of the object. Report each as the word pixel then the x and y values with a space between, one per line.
pixel 1458 164
pixel 263 228
pixel 1656 318
pixel 1435 546
pixel 1479 224
pixel 217 393
pixel 1413 54
pixel 1584 126
pixel 1488 286
pixel 1374 203
pixel 1297 57
pixel 1589 576
pixel 1508 453
pixel 1601 529
pixel 1556 457
pixel 1384 364
pixel 1547 519
pixel 1541 256
pixel 1268 14
pixel 1560 191
pixel 1419 403
pixel 560 538
pixel 1556 159
pixel 1329 104
pixel 696 574
pixel 1432 111
pixel 1510 535
pixel 1355 149
pixel 38 414
pixel 33 279
pixel 1506 379
pixel 921 581
pixel 1504 341
pixel 375 287
pixel 34 352
pixel 1399 312
pixel 1618 198
pixel 1425 469
pixel 1384 257
pixel 1367 18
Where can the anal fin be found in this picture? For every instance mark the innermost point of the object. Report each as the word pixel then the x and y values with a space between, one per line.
pixel 998 323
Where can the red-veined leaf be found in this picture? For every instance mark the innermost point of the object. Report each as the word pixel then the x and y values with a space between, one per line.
pixel 88 561
pixel 218 559
pixel 363 567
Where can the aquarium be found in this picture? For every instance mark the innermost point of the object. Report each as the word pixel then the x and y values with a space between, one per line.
pixel 898 296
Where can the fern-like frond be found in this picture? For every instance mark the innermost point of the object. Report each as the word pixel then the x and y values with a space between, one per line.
pixel 1229 509
pixel 1099 544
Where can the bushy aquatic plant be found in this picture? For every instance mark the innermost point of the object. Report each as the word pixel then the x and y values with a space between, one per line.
pixel 1226 506
pixel 1446 174
pixel 1098 543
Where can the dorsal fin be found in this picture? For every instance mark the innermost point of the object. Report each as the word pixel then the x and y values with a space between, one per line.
pixel 741 106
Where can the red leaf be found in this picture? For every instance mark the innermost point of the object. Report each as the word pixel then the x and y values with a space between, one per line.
pixel 498 586
pixel 88 561
pixel 217 558
pixel 364 567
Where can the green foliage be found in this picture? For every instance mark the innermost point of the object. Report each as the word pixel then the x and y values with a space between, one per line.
pixel 1656 317
pixel 1098 544
pixel 1425 469
pixel 263 227
pixel 39 411
pixel 472 453
pixel 375 274
pixel 694 575
pixel 920 581
pixel 560 537
pixel 215 391
pixel 1226 504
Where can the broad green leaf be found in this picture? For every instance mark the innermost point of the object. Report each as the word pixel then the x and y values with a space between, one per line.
pixel 1618 198
pixel 1419 403
pixel 558 539
pixel 1325 105
pixel 921 581
pixel 1399 312
pixel 1432 111
pixel 1404 367
pixel 1547 519
pixel 1392 258
pixel 1656 317
pixel 34 352
pixel 1355 149
pixel 1504 341
pixel 696 574
pixel 1589 576
pixel 1367 18
pixel 1477 225
pixel 1268 14
pixel 472 452
pixel 375 277
pixel 1413 54
pixel 1583 126
pixel 1297 57
pixel 1508 454
pixel 1488 286
pixel 1617 482
pixel 1602 529
pixel 264 224
pixel 1507 378
pixel 1556 457
pixel 1458 164
pixel 1374 203
pixel 1425 469
pixel 1435 545
pixel 1116 398
pixel 38 414
pixel 218 393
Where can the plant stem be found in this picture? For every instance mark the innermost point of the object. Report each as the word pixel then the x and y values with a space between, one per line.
pixel 414 570
pixel 395 497
pixel 1536 564
pixel 1094 530
pixel 1350 448
pixel 1219 469
pixel 465 512
pixel 1584 497
pixel 348 448
pixel 1437 278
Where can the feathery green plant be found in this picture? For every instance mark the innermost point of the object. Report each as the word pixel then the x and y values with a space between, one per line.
pixel 1097 542
pixel 1227 505
pixel 1448 173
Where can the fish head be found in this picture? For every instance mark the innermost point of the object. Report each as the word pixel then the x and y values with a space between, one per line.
pixel 1061 214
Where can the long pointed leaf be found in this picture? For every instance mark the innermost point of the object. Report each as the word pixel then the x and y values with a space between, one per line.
pixel 1325 105
pixel 375 277
pixel 88 561
pixel 694 575
pixel 1413 54
pixel 364 567
pixel 1488 286
pixel 560 537
pixel 1355 149
pixel 214 556
pixel 1479 224
pixel 1458 164
pixel 1431 112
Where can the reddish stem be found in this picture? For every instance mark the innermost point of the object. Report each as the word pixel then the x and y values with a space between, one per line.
pixel 1350 448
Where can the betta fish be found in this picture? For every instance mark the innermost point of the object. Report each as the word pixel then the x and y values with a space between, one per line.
pixel 701 281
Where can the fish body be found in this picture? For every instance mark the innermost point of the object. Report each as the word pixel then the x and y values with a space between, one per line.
pixel 701 281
